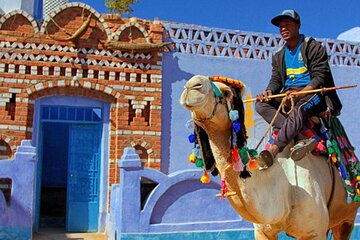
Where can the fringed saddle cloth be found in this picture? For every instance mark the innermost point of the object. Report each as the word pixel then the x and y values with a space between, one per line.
pixel 334 143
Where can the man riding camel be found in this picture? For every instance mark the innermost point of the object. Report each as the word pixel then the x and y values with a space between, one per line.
pixel 300 64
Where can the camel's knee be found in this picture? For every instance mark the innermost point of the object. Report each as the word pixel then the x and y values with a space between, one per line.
pixel 265 232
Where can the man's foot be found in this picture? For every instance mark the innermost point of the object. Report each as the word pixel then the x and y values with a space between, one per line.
pixel 266 157
pixel 302 148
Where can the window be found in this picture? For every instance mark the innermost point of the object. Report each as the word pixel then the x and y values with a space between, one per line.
pixel 64 113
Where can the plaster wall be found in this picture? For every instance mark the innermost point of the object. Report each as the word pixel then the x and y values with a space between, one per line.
pixel 179 67
pixel 17 216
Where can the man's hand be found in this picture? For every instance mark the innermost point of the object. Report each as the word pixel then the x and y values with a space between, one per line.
pixel 300 96
pixel 264 96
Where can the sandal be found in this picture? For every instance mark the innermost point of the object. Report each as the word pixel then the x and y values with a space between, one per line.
pixel 302 148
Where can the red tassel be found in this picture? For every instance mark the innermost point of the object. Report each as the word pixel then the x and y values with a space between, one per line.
pixel 235 155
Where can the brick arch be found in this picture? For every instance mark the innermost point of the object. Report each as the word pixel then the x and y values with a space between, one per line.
pixel 72 88
pixel 142 143
pixel 129 25
pixel 24 15
pixel 8 141
pixel 76 5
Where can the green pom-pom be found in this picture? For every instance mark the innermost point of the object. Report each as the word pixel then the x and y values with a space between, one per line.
pixel 356 198
pixel 253 153
pixel 244 155
pixel 199 163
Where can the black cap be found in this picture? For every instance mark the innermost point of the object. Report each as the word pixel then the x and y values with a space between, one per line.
pixel 291 14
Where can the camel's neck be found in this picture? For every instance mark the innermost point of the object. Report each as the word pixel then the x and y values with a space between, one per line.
pixel 220 145
pixel 247 190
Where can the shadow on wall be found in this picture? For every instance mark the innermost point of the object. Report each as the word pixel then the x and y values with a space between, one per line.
pixel 173 74
pixel 3 208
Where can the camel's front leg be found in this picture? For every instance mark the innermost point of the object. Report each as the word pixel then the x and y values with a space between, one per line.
pixel 343 231
pixel 265 232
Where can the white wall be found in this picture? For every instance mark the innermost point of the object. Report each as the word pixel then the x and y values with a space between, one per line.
pixel 9 5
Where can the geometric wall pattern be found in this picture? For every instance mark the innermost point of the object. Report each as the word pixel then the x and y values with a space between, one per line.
pixel 201 40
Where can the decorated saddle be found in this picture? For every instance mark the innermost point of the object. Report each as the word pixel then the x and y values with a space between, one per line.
pixel 332 142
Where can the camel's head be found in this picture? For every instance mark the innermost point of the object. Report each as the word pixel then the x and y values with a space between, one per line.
pixel 201 96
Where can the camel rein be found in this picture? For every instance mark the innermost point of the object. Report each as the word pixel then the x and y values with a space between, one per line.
pixel 218 99
pixel 281 107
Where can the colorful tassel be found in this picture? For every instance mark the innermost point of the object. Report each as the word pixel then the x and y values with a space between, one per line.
pixel 192 138
pixel 199 163
pixel 233 115
pixel 205 178
pixel 192 158
pixel 236 126
pixel 253 165
pixel 223 187
pixel 238 166
pixel 235 155
pixel 245 173
pixel 244 155
pixel 342 171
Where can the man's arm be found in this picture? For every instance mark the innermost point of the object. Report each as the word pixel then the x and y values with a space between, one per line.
pixel 275 84
pixel 317 64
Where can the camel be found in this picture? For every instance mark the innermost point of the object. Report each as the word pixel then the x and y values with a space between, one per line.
pixel 304 199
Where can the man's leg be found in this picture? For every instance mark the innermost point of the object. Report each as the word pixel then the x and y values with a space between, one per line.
pixel 267 111
pixel 308 106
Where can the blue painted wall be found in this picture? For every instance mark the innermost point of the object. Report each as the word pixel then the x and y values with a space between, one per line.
pixel 179 67
pixel 178 203
pixel 16 218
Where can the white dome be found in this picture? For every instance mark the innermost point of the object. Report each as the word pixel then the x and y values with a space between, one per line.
pixel 352 35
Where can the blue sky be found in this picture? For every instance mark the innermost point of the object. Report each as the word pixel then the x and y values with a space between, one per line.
pixel 320 18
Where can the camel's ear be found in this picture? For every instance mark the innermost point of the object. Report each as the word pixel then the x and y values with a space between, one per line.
pixel 242 89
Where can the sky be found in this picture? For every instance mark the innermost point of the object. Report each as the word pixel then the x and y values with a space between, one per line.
pixel 319 18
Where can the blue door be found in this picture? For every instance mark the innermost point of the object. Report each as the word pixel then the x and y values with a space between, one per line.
pixel 83 178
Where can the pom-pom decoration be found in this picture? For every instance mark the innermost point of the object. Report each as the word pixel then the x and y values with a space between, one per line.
pixel 192 138
pixel 236 126
pixel 199 163
pixel 253 165
pixel 192 158
pixel 233 115
pixel 205 178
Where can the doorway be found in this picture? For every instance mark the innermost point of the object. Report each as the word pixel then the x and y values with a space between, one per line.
pixel 69 168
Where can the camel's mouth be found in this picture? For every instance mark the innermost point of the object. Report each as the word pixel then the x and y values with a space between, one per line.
pixel 192 98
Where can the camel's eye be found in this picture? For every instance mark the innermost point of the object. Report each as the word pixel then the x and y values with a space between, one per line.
pixel 226 94
pixel 197 86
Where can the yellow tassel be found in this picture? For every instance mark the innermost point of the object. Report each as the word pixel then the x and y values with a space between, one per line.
pixel 333 158
pixel 205 178
pixel 192 158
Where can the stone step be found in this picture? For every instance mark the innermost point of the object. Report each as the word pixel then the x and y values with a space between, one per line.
pixel 60 234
